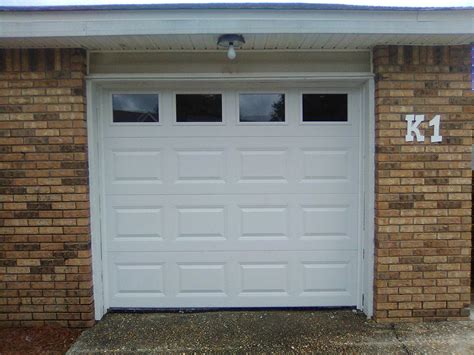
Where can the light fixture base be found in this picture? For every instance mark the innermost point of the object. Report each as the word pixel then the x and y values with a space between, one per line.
pixel 228 40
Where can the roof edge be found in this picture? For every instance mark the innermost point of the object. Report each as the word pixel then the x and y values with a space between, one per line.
pixel 227 6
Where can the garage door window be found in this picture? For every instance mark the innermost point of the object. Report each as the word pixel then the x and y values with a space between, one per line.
pixel 261 108
pixel 199 108
pixel 135 108
pixel 325 108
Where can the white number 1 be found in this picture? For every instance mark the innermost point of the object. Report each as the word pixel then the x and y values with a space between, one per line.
pixel 435 138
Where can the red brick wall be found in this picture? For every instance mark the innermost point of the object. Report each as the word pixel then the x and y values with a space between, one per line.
pixel 45 258
pixel 423 190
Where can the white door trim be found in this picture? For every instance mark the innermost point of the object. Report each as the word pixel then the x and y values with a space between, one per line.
pixel 365 272
pixel 368 196
pixel 92 92
pixel 270 76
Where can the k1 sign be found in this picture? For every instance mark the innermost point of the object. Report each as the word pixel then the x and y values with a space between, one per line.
pixel 413 130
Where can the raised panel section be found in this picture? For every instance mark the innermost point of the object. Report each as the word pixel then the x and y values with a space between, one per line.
pixel 264 222
pixel 326 222
pixel 222 165
pixel 136 166
pixel 200 166
pixel 263 165
pixel 266 279
pixel 325 165
pixel 325 277
pixel 233 279
pixel 138 223
pixel 203 279
pixel 136 278
pixel 201 223
pixel 232 222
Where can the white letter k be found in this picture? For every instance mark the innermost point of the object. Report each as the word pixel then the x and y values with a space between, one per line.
pixel 413 128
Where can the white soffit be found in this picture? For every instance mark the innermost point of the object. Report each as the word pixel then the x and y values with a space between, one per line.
pixel 263 29
pixel 304 41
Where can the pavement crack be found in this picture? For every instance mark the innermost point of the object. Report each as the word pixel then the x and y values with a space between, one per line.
pixel 404 346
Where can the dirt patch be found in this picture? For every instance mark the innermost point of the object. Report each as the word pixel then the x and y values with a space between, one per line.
pixel 37 340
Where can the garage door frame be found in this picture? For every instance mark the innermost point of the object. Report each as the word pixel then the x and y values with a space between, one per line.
pixel 96 84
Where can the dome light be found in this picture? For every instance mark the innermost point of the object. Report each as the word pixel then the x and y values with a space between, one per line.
pixel 231 41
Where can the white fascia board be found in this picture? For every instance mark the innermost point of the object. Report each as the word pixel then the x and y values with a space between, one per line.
pixel 123 23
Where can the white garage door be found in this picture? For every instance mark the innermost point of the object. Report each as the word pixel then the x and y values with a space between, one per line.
pixel 231 198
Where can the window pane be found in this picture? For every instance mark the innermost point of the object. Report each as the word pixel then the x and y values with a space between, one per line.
pixel 325 107
pixel 262 107
pixel 199 108
pixel 135 108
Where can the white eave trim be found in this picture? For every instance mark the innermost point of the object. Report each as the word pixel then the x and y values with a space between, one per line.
pixel 351 76
pixel 154 22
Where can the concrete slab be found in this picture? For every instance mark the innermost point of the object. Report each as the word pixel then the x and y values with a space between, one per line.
pixel 342 331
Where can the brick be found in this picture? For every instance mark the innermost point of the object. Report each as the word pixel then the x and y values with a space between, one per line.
pixel 423 191
pixel 42 140
pixel 399 313
pixel 434 305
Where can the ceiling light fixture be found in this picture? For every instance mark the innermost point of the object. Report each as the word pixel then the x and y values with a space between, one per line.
pixel 231 41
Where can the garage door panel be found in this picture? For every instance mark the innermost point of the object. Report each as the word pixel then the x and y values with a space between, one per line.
pixel 133 279
pixel 201 279
pixel 326 277
pixel 236 222
pixel 138 223
pixel 260 223
pixel 200 223
pixel 336 163
pixel 131 166
pixel 269 279
pixel 200 165
pixel 267 165
pixel 236 166
pixel 328 222
pixel 233 279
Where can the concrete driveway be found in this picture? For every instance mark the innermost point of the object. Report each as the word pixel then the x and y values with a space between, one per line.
pixel 342 331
